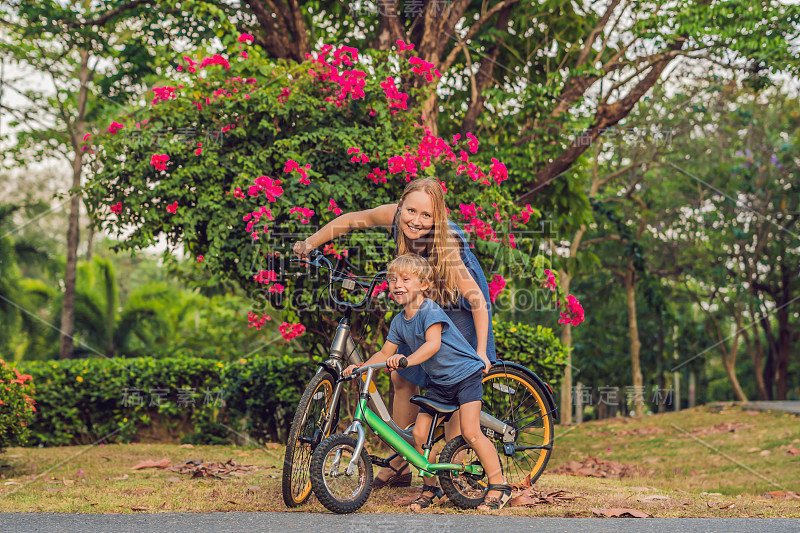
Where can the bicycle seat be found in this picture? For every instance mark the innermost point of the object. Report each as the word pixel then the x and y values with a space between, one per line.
pixel 432 406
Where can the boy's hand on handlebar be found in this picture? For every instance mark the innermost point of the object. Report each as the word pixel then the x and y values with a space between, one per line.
pixel 302 249
pixel 349 370
pixel 393 363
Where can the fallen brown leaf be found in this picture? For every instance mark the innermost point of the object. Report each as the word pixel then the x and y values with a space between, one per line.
pixel 163 463
pixel 173 479
pixel 120 478
pixel 272 446
pixel 782 495
pixel 139 509
pixel 593 467
pixel 186 446
pixel 254 488
pixel 728 506
pixel 196 468
pixel 792 451
pixel 521 500
pixel 233 502
pixel 620 513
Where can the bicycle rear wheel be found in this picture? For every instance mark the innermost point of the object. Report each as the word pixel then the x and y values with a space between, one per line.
pixel 512 397
pixel 305 435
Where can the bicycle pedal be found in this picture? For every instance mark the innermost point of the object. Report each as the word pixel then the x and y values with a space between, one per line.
pixel 378 461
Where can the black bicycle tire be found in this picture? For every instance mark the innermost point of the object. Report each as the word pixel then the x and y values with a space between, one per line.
pixel 293 494
pixel 319 485
pixel 547 419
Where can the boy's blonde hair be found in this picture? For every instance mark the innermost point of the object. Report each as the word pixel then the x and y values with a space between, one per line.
pixel 416 265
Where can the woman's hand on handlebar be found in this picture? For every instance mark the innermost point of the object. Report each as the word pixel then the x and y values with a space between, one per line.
pixel 302 248
pixel 349 370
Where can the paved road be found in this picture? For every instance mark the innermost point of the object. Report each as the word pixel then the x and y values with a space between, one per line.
pixel 789 407
pixel 375 523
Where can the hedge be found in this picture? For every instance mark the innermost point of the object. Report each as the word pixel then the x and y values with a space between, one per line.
pixel 202 401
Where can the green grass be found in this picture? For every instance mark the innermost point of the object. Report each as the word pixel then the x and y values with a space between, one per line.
pixel 681 468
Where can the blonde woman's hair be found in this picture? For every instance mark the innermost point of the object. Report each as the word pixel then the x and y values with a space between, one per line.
pixel 443 250
pixel 413 264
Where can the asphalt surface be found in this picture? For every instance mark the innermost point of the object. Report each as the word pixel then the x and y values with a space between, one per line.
pixel 374 523
pixel 789 407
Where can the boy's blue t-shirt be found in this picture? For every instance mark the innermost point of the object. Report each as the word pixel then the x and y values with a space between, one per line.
pixel 455 360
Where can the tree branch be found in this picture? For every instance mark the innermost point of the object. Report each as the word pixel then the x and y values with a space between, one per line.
pixel 102 19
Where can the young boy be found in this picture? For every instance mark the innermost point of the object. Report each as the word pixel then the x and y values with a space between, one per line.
pixel 454 368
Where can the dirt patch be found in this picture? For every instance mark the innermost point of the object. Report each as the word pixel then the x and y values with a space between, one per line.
pixel 594 467
pixel 197 468
pixel 724 427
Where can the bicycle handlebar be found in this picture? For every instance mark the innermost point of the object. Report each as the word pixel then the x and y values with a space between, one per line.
pixel 361 369
pixel 317 261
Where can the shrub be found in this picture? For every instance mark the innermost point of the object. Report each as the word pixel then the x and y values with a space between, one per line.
pixel 16 406
pixel 534 347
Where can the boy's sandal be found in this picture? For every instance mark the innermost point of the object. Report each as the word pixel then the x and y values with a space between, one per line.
pixel 494 503
pixel 395 480
pixel 425 501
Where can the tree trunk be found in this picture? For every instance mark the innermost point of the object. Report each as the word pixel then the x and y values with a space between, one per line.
pixel 729 362
pixel 660 381
pixel 566 342
pixel 68 308
pixel 692 388
pixel 635 345
pixel 757 357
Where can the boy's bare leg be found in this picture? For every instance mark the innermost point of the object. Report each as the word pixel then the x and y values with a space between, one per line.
pixel 404 413
pixel 471 430
pixel 421 429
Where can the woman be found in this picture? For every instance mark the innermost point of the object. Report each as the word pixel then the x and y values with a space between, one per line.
pixel 419 224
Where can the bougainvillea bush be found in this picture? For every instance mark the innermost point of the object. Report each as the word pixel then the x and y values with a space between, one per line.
pixel 17 406
pixel 235 157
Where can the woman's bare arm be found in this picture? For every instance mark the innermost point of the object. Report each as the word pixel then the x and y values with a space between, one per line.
pixel 469 289
pixel 381 216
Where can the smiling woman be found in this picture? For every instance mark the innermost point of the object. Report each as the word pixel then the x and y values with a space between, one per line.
pixel 419 225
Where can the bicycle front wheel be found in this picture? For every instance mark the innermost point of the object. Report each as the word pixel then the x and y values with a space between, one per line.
pixel 306 433
pixel 512 397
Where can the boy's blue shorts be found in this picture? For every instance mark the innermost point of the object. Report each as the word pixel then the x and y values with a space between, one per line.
pixel 461 393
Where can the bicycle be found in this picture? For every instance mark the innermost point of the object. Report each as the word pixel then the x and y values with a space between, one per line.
pixel 343 486
pixel 518 408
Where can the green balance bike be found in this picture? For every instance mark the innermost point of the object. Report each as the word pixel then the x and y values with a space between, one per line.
pixel 341 467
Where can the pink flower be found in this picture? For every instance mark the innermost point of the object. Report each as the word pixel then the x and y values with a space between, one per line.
pixel 290 331
pixel 333 207
pixel 114 128
pixel 163 94
pixel 472 143
pixel 397 100
pixel 246 38
pixel 525 215
pixel 377 176
pixel 117 208
pixel 574 313
pixel 172 208
pixel 496 286
pixel 331 249
pixel 87 137
pixel 237 193
pixel 423 68
pixel 266 276
pixel 200 258
pixel 270 187
pixel 277 288
pixel 159 161
pixel 303 214
pixel 383 286
pixel 403 46
pixel 244 54
pixel 293 166
pixel 216 59
pixel 499 171
pixel 256 321
pixel 550 282
pixel 285 92
pixel 468 211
